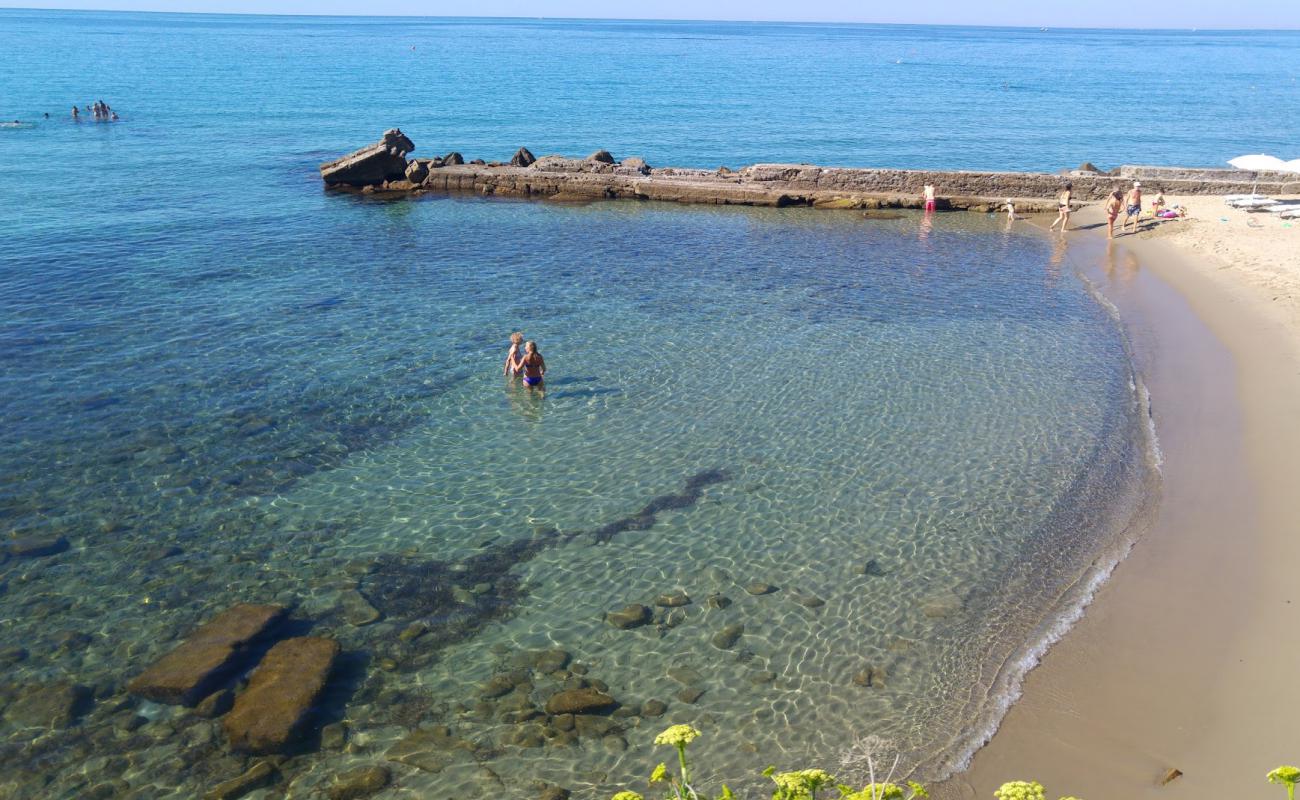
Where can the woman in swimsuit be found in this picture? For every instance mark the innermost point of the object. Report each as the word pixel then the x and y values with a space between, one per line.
pixel 1063 208
pixel 1113 204
pixel 533 367
pixel 512 355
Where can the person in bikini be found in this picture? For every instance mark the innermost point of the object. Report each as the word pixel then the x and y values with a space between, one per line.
pixel 1063 208
pixel 1113 204
pixel 533 367
pixel 512 355
pixel 1133 208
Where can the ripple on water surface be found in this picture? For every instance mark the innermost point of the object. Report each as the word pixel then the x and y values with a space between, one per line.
pixel 915 434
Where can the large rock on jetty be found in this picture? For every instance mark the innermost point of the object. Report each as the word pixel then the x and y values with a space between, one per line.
pixel 267 715
pixel 384 160
pixel 192 671
pixel 522 158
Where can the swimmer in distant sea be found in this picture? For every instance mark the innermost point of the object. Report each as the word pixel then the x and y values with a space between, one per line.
pixel 115 117
pixel 75 113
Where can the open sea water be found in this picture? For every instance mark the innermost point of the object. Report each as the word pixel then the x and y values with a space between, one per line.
pixel 884 459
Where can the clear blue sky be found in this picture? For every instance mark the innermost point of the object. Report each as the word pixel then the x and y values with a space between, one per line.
pixel 1032 13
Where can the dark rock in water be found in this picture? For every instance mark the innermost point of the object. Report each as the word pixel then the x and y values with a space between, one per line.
pixel 268 714
pixel 758 587
pixel 1088 166
pixel 717 601
pixel 873 677
pixel 333 736
pixel 383 161
pixel 416 172
pixel 634 615
pixel 453 158
pixel 564 722
pixel 653 708
pixel 871 567
pixel 206 658
pixel 551 660
pixel 686 676
pixel 262 774
pixel 422 749
pixel 763 677
pixel 551 792
pixel 12 655
pixel 359 782
pixel 522 158
pixel 35 546
pixel 673 599
pixel 215 704
pixel 690 695
pixel 592 726
pixel 167 551
pixel 726 638
pixel 579 701
pixel 496 686
pixel 807 600
pixel 51 705
pixel 601 156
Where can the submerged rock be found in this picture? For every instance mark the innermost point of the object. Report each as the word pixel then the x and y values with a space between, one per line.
pixel 50 705
pixel 942 605
pixel 192 670
pixel 653 708
pixel 268 713
pixel 673 599
pixel 579 701
pixel 356 610
pixel 35 546
pixel 726 638
pixel 262 774
pixel 690 695
pixel 632 616
pixel 382 161
pixel 873 677
pixel 359 782
pixel 759 588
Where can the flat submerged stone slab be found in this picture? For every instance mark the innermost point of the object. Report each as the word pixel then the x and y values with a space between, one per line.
pixel 195 668
pixel 267 714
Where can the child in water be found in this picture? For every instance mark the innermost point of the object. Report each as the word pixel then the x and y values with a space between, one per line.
pixel 533 366
pixel 512 355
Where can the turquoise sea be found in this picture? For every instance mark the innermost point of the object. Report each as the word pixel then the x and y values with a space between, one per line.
pixel 221 384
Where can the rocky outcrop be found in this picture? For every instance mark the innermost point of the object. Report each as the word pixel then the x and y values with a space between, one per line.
pixel 382 161
pixel 269 713
pixel 522 158
pixel 195 668
pixel 417 171
pixel 452 159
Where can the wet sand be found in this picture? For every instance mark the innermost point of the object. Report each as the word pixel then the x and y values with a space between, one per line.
pixel 1187 658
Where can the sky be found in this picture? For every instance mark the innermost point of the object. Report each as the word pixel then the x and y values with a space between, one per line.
pixel 1271 14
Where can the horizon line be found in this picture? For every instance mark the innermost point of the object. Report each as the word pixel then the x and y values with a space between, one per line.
pixel 1189 29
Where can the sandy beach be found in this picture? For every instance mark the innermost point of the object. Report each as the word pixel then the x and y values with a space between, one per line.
pixel 1185 659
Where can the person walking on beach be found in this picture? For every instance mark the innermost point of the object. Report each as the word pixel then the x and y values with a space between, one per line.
pixel 929 197
pixel 512 355
pixel 1113 204
pixel 1063 208
pixel 1133 209
pixel 534 368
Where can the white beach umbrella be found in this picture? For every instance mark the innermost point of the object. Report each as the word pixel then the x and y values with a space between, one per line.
pixel 1258 163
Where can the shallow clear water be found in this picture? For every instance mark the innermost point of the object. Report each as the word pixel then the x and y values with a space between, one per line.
pixel 301 393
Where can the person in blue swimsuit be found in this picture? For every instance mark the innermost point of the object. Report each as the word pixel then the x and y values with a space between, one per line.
pixel 534 368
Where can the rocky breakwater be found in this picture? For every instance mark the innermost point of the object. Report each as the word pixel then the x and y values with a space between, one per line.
pixel 378 170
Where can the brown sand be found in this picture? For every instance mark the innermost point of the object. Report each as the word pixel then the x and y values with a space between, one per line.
pixel 1188 657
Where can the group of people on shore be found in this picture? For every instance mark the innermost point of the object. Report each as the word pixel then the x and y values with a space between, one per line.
pixel 527 363
pixel 1129 202
pixel 99 109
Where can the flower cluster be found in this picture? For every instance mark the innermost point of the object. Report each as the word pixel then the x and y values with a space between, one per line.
pixel 803 782
pixel 627 796
pixel 879 791
pixel 1286 775
pixel 1020 790
pixel 678 736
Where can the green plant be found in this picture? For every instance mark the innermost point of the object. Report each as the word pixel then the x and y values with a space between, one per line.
pixel 1287 776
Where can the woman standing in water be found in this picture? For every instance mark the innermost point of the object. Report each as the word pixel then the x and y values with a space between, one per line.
pixel 1063 210
pixel 534 368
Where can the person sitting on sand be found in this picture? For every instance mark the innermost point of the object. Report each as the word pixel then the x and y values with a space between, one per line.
pixel 929 197
pixel 1113 204
pixel 1063 208
pixel 512 355
pixel 1158 204
pixel 1133 207
pixel 533 367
